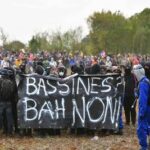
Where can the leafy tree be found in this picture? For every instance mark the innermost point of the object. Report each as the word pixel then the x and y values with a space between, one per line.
pixel 141 30
pixel 14 45
pixel 34 44
pixel 56 41
pixel 108 31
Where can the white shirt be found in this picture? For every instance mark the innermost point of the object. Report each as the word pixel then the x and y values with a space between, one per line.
pixel 4 64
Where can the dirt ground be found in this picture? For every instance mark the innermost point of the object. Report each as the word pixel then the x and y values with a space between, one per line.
pixel 128 141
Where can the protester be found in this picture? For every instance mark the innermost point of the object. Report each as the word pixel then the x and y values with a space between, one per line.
pixel 18 62
pixel 5 63
pixel 41 63
pixel 8 101
pixel 129 97
pixel 52 63
pixel 147 69
pixel 143 128
pixel 108 62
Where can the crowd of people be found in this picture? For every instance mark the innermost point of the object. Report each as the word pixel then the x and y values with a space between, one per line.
pixel 62 64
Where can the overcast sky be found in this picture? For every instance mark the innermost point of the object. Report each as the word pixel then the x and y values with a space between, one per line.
pixel 20 19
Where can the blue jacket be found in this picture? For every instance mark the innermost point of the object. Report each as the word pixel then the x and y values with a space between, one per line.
pixel 144 99
pixel 143 129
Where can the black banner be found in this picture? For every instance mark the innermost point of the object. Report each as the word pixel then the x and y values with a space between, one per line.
pixel 92 102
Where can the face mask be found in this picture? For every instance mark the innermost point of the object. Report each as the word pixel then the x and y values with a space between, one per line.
pixel 61 73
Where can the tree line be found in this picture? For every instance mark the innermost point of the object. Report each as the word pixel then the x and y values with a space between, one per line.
pixel 108 31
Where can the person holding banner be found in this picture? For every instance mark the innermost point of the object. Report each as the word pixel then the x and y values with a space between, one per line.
pixel 129 97
pixel 143 129
pixel 8 101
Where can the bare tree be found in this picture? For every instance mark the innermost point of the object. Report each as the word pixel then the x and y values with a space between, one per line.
pixel 3 36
